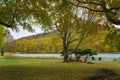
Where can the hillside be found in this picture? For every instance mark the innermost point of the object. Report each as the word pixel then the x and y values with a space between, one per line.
pixel 51 43
pixel 40 35
pixel 39 43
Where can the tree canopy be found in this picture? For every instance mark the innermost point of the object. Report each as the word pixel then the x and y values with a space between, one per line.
pixel 24 12
pixel 15 13
pixel 110 8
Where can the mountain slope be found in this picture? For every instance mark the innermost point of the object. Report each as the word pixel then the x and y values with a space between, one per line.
pixel 40 35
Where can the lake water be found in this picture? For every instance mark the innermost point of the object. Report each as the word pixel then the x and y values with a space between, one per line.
pixel 39 55
pixel 103 56
pixel 108 56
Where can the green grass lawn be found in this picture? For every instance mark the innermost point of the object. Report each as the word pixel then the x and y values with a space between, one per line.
pixel 48 69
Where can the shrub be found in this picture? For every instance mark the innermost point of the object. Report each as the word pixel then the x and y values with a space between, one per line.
pixel 104 74
pixel 78 53
pixel 94 52
pixel 89 51
pixel 86 53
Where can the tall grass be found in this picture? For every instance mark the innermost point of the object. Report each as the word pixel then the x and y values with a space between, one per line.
pixel 48 69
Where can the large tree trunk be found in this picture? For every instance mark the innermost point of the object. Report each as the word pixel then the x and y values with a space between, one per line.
pixel 65 53
pixel 65 47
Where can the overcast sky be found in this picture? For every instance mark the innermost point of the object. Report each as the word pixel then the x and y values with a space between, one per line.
pixel 23 33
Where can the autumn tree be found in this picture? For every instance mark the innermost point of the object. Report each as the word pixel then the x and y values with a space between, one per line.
pixel 73 24
pixel 2 39
pixel 68 20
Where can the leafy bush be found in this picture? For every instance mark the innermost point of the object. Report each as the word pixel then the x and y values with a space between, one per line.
pixel 86 53
pixel 78 53
pixel 89 51
pixel 94 52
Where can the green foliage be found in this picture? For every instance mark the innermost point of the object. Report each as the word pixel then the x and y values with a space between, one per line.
pixel 94 52
pixel 85 51
pixel 89 51
pixel 78 51
pixel 112 41
pixel 14 13
pixel 2 36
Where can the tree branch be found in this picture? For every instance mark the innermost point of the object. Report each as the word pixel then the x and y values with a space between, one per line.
pixel 84 7
pixel 85 2
pixel 109 18
pixel 105 10
pixel 5 24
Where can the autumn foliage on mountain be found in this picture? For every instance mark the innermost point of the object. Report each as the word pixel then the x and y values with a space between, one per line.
pixel 51 43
